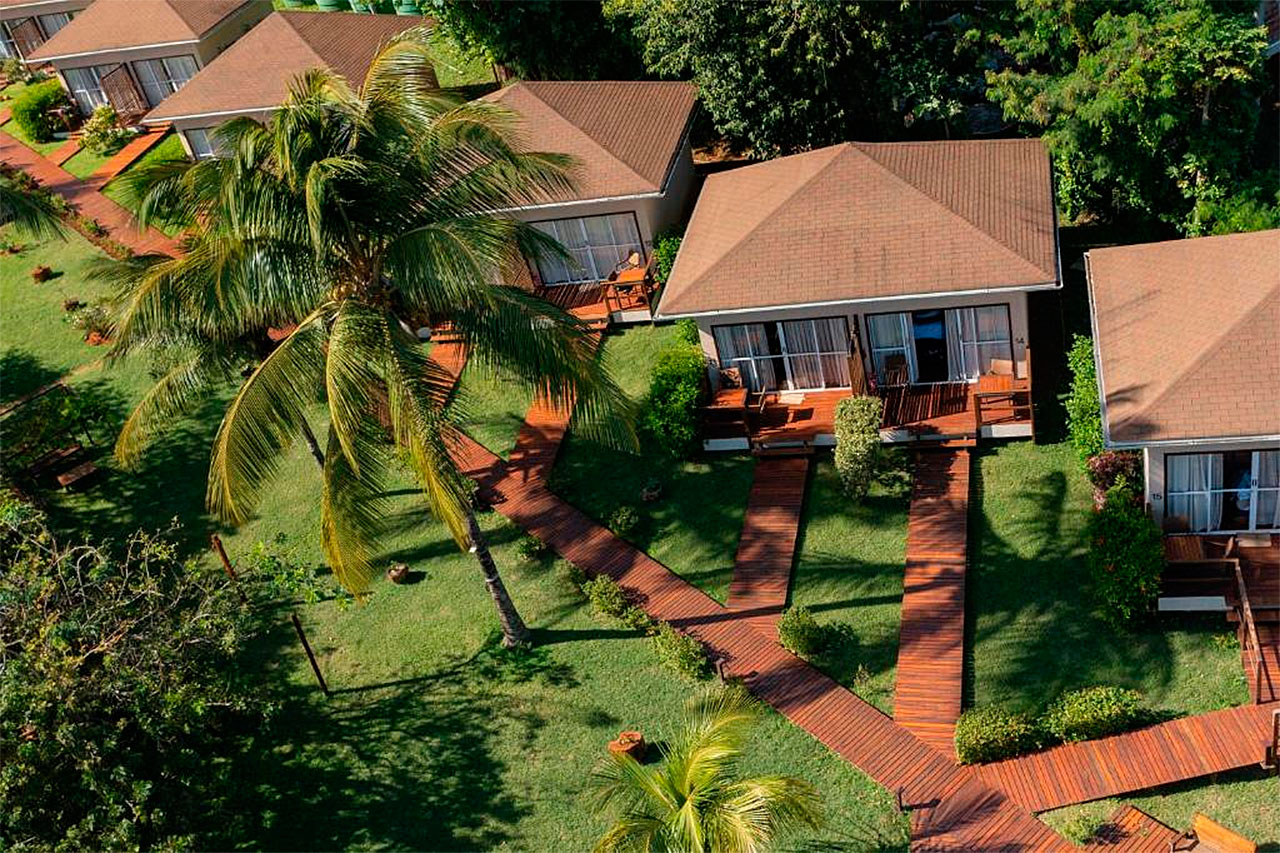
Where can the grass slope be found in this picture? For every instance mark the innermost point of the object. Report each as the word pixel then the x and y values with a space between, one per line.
pixel 693 528
pixel 848 571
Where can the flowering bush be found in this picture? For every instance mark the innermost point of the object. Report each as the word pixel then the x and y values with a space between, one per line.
pixel 1109 467
pixel 102 132
pixel 1126 556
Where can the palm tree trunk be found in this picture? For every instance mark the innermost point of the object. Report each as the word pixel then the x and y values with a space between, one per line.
pixel 514 631
pixel 314 445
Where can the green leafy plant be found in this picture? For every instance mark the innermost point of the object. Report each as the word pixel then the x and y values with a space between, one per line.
pixel 1126 556
pixel 93 318
pixel 990 734
pixel 102 132
pixel 687 332
pixel 665 247
pixel 1081 828
pixel 800 633
pixel 606 596
pixel 531 548
pixel 1084 410
pixel 696 799
pixel 681 653
pixel 33 109
pixel 624 520
pixel 857 443
pixel 1094 712
pixel 677 389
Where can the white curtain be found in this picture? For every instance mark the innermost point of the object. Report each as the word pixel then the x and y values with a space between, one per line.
pixel 160 78
pixel 1268 475
pixel 958 368
pixel 746 347
pixel 86 87
pixel 1194 490
pixel 833 344
pixel 976 336
pixel 597 245
pixel 889 343
pixel 802 358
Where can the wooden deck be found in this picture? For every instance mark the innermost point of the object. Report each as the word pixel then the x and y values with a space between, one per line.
pixel 766 548
pixel 1157 755
pixel 930 673
pixel 595 301
pixel 1132 830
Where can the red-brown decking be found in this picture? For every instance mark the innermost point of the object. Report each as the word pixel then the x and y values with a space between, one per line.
pixel 766 548
pixel 65 152
pixel 85 196
pixel 123 158
pixel 1157 755
pixel 928 682
pixel 1131 829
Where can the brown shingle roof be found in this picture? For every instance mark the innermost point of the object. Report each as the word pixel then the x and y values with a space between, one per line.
pixel 865 221
pixel 1188 337
pixel 254 73
pixel 116 24
pixel 625 134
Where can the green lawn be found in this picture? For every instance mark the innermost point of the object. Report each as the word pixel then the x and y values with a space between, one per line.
pixel 168 148
pixel 85 162
pixel 693 528
pixel 37 341
pixel 492 407
pixel 44 149
pixel 1033 629
pixel 848 571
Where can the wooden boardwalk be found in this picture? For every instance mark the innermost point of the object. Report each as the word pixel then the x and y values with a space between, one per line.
pixel 125 157
pixel 766 548
pixel 1157 755
pixel 118 221
pixel 1132 830
pixel 928 683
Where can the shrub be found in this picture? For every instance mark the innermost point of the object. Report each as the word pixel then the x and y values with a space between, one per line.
pixel 635 617
pixel 680 652
pixel 92 318
pixel 624 520
pixel 1126 556
pixel 1106 469
pixel 102 131
pixel 32 110
pixel 665 247
pixel 41 273
pixel 532 548
pixel 1093 712
pixel 800 633
pixel 990 734
pixel 606 597
pixel 857 443
pixel 1081 828
pixel 676 390
pixel 16 71
pixel 687 332
pixel 1084 411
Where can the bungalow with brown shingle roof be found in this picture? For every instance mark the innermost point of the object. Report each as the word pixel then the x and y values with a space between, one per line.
pixel 901 269
pixel 135 53
pixel 251 78
pixel 27 24
pixel 1187 346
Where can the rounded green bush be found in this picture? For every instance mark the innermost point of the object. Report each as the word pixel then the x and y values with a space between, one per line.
pixel 990 734
pixel 32 110
pixel 606 597
pixel 800 633
pixel 1093 712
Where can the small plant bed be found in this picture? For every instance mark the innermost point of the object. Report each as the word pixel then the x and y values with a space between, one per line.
pixel 692 526
pixel 848 573
pixel 492 407
pixel 1036 628
pixel 1244 801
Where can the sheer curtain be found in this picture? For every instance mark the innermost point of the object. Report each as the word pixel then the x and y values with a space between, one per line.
pixel 1194 490
pixel 958 367
pixel 833 344
pixel 802 353
pixel 888 345
pixel 746 347
pixel 1268 474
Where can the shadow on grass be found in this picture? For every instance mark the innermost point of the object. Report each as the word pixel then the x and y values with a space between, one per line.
pixel 22 372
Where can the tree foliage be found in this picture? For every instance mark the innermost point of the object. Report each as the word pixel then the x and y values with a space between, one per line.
pixel 678 387
pixel 1084 403
pixel 1147 106
pixel 541 39
pixel 782 76
pixel 119 690
pixel 1126 556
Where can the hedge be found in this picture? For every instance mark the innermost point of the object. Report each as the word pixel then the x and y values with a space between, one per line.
pixel 1094 712
pixel 32 109
pixel 857 443
pixel 990 734
pixel 676 391
pixel 1126 556
pixel 1084 409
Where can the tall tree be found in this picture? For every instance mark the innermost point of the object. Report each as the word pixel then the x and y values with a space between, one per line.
pixel 542 39
pixel 1148 106
pixel 693 801
pixel 346 215
pixel 782 76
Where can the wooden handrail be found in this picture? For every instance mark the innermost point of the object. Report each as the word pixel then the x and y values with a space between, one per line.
pixel 1250 640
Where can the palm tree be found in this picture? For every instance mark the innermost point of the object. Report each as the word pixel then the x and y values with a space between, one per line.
pixel 692 802
pixel 351 217
pixel 28 209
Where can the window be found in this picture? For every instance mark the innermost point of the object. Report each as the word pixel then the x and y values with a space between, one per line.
pixel 53 22
pixel 975 338
pixel 1236 490
pixel 160 78
pixel 596 245
pixel 795 354
pixel 935 345
pixel 8 48
pixel 201 145
pixel 86 86
pixel 890 347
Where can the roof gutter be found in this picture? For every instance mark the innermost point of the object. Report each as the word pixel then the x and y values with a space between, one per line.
pixel 1097 355
pixel 115 49
pixel 148 119
pixel 725 312
pixel 1193 442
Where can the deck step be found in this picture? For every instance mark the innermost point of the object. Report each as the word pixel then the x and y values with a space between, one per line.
pixel 782 450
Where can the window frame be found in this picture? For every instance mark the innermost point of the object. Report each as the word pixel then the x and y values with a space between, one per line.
pixel 1255 488
pixel 572 266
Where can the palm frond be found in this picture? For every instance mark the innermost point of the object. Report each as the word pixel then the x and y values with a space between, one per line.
pixel 32 212
pixel 353 370
pixel 353 510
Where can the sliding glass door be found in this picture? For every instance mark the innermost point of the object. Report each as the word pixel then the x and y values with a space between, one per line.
pixel 596 246
pixel 940 345
pixel 1232 491
pixel 798 355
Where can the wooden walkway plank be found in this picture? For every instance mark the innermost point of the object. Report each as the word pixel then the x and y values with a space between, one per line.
pixel 928 681
pixel 766 547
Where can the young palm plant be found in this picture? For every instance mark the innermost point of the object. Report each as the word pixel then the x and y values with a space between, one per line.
pixel 349 218
pixel 692 802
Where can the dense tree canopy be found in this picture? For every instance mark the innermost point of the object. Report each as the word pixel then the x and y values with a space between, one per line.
pixel 1147 106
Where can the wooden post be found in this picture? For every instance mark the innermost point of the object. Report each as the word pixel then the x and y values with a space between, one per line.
pixel 226 567
pixel 315 667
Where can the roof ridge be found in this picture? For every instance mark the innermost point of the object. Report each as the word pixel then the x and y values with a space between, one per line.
pixel 1206 352
pixel 766 214
pixel 944 205
pixel 289 21
pixel 579 130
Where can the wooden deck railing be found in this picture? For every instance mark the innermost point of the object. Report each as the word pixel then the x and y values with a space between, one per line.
pixel 1016 400
pixel 1249 641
